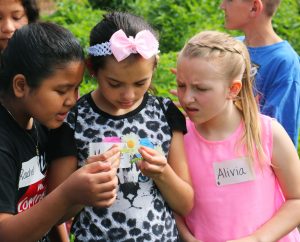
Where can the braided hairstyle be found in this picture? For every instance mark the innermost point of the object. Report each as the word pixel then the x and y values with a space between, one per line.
pixel 231 60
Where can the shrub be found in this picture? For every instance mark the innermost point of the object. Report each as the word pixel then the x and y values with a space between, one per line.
pixel 123 5
pixel 77 16
pixel 178 20
pixel 163 79
pixel 287 22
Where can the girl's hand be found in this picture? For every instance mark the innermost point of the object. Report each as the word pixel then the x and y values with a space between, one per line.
pixel 94 184
pixel 111 156
pixel 153 163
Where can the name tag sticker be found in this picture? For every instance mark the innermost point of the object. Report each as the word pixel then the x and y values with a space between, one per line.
pixel 30 172
pixel 233 171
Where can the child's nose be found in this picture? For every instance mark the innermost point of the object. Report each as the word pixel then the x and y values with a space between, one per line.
pixel 7 26
pixel 128 93
pixel 188 97
pixel 71 99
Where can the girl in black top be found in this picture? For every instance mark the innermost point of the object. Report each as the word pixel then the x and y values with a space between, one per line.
pixel 40 73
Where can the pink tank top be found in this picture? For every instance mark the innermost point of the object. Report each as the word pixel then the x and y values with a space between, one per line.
pixel 231 199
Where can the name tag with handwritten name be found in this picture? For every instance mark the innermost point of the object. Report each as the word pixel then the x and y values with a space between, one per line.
pixel 30 172
pixel 233 171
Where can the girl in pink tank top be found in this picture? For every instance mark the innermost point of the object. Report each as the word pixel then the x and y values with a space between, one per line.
pixel 244 167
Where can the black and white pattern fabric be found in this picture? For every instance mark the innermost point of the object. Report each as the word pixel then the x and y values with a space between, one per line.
pixel 140 212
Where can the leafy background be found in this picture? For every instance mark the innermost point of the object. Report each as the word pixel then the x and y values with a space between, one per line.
pixel 175 20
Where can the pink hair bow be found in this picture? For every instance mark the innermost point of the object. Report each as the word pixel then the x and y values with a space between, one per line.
pixel 144 43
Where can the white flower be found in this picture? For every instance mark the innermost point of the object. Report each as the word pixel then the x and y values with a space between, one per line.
pixel 132 142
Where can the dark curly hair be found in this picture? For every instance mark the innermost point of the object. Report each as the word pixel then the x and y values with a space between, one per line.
pixel 31 9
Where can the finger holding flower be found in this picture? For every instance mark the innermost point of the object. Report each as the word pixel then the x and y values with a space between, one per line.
pixel 152 163
pixel 111 156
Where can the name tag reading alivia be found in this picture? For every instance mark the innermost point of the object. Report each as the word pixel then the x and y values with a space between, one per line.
pixel 233 171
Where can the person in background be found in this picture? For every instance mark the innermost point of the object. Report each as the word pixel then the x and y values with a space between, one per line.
pixel 244 167
pixel 13 15
pixel 275 64
pixel 40 72
pixel 153 173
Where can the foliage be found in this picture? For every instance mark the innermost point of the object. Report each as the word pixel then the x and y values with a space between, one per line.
pixel 77 16
pixel 88 84
pixel 121 5
pixel 163 79
pixel 175 20
pixel 287 22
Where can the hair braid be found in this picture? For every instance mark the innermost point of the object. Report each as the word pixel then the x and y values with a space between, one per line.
pixel 232 61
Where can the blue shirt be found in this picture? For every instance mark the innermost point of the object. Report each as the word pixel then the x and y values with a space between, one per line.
pixel 277 84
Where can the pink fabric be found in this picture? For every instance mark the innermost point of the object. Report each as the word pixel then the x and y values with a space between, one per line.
pixel 144 43
pixel 113 139
pixel 236 210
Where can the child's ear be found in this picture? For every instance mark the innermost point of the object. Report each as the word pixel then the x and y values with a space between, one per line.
pixel 234 89
pixel 89 66
pixel 19 85
pixel 156 60
pixel 257 8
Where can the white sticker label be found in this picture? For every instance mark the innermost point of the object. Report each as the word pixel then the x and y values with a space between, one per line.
pixel 30 172
pixel 233 171
pixel 101 147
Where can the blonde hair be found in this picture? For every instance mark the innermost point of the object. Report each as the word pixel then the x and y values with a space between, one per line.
pixel 231 60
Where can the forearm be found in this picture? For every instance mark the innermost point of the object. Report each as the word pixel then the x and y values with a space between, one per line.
pixel 184 232
pixel 285 220
pixel 173 187
pixel 33 223
pixel 58 172
pixel 59 234
pixel 71 213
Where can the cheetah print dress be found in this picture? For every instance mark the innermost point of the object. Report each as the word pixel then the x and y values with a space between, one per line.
pixel 140 212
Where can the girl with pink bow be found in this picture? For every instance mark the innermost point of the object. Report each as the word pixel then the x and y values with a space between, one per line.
pixel 153 173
